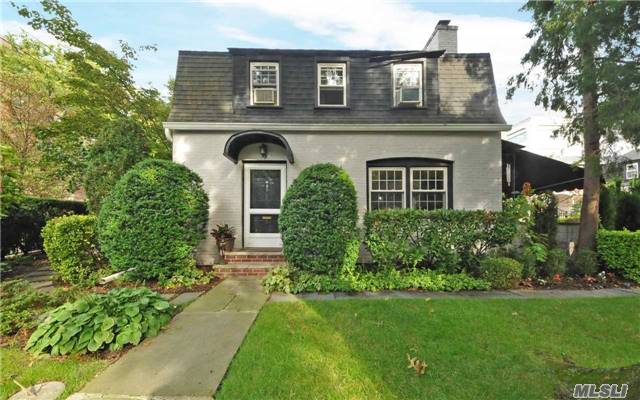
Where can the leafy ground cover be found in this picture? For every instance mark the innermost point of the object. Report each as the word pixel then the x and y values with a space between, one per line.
pixel 28 370
pixel 501 349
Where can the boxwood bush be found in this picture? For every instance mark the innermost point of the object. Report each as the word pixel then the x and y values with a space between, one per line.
pixel 71 244
pixel 620 251
pixel 444 239
pixel 501 272
pixel 318 221
pixel 153 220
pixel 100 321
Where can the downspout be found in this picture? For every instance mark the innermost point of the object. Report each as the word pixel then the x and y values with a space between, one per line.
pixel 167 134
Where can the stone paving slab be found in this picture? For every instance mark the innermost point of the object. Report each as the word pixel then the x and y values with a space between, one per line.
pixel 492 294
pixel 184 298
pixel 189 359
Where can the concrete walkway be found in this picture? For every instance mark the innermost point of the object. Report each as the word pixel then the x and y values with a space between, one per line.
pixel 492 294
pixel 188 359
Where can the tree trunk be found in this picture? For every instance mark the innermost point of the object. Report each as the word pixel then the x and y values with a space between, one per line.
pixel 589 216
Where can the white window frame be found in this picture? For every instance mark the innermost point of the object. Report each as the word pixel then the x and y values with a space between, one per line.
pixel 631 171
pixel 396 101
pixel 404 183
pixel 344 83
pixel 445 181
pixel 253 64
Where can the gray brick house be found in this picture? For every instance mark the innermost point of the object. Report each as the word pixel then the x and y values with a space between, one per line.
pixel 413 128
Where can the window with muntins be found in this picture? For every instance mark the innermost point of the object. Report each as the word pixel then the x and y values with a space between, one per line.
pixel 386 188
pixel 332 84
pixel 265 84
pixel 428 188
pixel 407 84
pixel 631 171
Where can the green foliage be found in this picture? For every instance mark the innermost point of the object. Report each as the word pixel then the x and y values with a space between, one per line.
pixel 501 272
pixel 98 87
pixel 556 263
pixel 186 278
pixel 444 239
pixel 318 220
pixel 533 257
pixel 11 192
pixel 620 251
pixel 153 220
pixel 283 279
pixel 101 321
pixel 25 219
pixel 620 209
pixel 584 262
pixel 545 217
pixel 20 305
pixel 118 147
pixel 71 244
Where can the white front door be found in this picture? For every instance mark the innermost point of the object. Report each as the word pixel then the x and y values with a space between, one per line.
pixel 264 188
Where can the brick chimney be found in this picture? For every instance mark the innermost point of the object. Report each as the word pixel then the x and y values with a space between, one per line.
pixel 444 37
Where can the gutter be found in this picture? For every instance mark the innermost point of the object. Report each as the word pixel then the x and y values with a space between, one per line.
pixel 169 127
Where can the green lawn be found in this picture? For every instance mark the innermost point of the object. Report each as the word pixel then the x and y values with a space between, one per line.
pixel 476 349
pixel 28 370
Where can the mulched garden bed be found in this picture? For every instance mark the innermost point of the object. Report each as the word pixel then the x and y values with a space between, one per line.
pixel 605 281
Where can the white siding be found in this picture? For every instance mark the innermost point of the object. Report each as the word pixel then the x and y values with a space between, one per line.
pixel 476 167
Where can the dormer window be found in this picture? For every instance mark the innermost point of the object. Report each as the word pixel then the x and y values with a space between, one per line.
pixel 631 171
pixel 265 84
pixel 407 85
pixel 332 87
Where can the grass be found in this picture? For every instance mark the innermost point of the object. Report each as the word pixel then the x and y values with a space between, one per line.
pixel 475 349
pixel 28 370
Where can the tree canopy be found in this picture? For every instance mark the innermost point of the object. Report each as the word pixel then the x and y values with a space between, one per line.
pixel 585 63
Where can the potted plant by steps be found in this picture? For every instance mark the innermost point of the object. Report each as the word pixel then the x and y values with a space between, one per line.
pixel 225 237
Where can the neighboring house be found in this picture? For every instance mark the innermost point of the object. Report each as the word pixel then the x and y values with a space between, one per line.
pixel 630 167
pixel 535 135
pixel 413 128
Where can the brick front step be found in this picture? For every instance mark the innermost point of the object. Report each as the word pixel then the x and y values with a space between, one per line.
pixel 236 257
pixel 251 269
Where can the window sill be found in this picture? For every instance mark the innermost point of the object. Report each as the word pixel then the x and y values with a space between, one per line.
pixel 408 107
pixel 254 107
pixel 332 108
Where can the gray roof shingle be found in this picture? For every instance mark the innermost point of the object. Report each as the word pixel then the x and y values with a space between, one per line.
pixel 214 87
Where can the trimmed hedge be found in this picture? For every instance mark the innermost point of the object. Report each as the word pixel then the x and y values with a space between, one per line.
pixel 318 221
pixel 283 279
pixel 620 250
pixel 71 243
pixel 153 220
pixel 24 221
pixel 444 239
pixel 501 272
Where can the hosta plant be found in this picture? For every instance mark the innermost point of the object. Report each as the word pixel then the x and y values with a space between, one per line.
pixel 101 321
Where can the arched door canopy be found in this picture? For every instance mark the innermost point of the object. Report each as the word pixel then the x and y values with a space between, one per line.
pixel 240 140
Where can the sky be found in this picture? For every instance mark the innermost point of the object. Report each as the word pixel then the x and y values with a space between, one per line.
pixel 497 27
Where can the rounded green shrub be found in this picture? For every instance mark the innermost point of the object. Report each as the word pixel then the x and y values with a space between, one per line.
pixel 318 220
pixel 585 262
pixel 501 272
pixel 556 263
pixel 71 244
pixel 153 220
pixel 101 321
pixel 620 251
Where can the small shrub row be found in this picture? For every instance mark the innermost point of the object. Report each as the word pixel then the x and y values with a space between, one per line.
pixel 101 321
pixel 501 272
pixel 620 251
pixel 24 220
pixel 318 221
pixel 21 304
pixel 443 239
pixel 283 279
pixel 71 243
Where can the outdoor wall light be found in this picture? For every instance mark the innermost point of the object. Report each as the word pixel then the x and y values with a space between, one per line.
pixel 263 150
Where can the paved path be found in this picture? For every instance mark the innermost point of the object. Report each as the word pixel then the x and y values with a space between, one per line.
pixel 189 359
pixel 492 294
